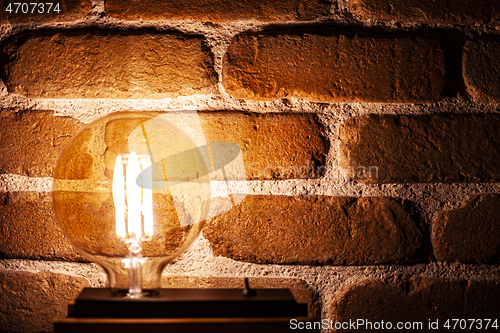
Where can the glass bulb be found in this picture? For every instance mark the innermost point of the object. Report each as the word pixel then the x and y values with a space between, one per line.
pixel 131 192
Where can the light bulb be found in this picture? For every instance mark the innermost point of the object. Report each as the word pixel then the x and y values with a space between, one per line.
pixel 131 192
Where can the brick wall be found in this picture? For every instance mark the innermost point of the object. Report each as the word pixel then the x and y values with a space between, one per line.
pixel 396 102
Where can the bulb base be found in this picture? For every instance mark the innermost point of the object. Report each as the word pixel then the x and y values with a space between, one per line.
pixel 188 303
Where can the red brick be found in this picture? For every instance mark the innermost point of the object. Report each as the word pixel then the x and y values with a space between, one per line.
pixel 482 298
pixel 428 11
pixel 417 300
pixel 471 233
pixel 269 149
pixel 32 141
pixel 29 229
pixel 78 163
pixel 315 230
pixel 72 64
pixel 70 10
pixel 481 66
pixel 422 149
pixel 334 68
pixel 218 10
pixel 29 302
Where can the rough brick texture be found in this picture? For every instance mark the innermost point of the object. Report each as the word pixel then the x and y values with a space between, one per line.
pixel 107 65
pixel 300 290
pixel 424 148
pixel 69 10
pixel 471 233
pixel 29 230
pixel 30 301
pixel 315 230
pixel 271 149
pixel 218 10
pixel 481 67
pixel 417 300
pixel 32 141
pixel 428 11
pixel 334 68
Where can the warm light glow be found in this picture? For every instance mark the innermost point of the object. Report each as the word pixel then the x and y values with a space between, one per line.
pixel 147 196
pixel 133 196
pixel 106 210
pixel 136 190
pixel 119 197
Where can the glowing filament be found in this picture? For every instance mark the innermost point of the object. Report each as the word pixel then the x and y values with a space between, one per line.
pixel 136 190
pixel 147 196
pixel 119 197
pixel 133 196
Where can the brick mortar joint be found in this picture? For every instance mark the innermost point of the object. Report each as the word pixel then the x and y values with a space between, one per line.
pixel 430 270
pixel 318 278
pixel 227 30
